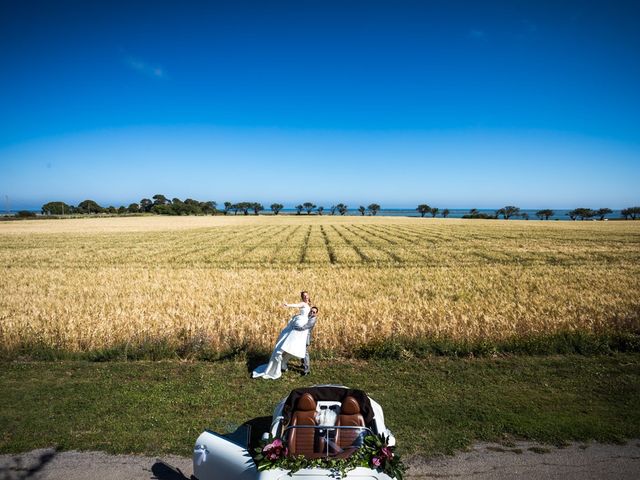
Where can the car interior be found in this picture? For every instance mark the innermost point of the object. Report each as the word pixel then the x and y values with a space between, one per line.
pixel 325 428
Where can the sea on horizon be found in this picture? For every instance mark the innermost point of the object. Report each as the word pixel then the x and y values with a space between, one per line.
pixel 559 214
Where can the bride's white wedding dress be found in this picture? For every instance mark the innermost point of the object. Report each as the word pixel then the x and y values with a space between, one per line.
pixel 290 343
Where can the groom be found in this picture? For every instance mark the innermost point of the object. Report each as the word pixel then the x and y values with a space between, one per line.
pixel 308 326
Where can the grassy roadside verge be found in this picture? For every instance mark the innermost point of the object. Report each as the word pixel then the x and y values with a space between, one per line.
pixel 433 405
pixel 560 343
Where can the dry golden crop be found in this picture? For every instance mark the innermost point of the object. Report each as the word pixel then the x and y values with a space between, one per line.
pixel 87 284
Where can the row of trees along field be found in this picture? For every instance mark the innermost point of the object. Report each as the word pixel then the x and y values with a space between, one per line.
pixel 161 205
pixel 511 211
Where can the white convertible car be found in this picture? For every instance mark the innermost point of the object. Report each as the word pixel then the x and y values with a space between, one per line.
pixel 319 422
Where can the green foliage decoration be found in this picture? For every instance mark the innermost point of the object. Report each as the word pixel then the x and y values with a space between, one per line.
pixel 374 453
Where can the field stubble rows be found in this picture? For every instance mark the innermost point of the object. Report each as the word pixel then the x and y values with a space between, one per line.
pixel 80 288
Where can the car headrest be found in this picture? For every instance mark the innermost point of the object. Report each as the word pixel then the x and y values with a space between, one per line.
pixel 306 403
pixel 350 406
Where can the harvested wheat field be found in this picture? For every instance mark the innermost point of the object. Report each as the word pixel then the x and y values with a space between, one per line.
pixel 215 284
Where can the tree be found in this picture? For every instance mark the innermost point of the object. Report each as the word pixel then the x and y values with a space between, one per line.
pixel 163 209
pixel 445 213
pixel 308 206
pixel 434 211
pixel 55 208
pixel 111 209
pixel 320 210
pixel 525 216
pixel 603 212
pixel 373 208
pixel 423 209
pixel 633 212
pixel 299 209
pixel 333 209
pixel 159 199
pixel 244 207
pixel 227 208
pixel 145 205
pixel 89 206
pixel 209 208
pixel 342 208
pixel 508 212
pixel 191 207
pixel 257 207
pixel 582 213
pixel 362 210
pixel 175 207
pixel 276 207
pixel 544 214
pixel 163 206
pixel 122 210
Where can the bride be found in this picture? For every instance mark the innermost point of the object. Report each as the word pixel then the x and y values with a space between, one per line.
pixel 290 342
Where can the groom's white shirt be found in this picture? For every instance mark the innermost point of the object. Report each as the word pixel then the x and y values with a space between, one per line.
pixel 308 327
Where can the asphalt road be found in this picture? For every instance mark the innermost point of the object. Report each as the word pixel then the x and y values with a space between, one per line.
pixel 524 460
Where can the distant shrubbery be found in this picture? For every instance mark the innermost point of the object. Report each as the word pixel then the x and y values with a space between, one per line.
pixel 575 214
pixel 161 205
pixel 25 214
pixel 159 348
pixel 582 343
pixel 474 213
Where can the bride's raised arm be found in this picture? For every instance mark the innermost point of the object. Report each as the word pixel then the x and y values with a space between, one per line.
pixel 292 305
pixel 304 296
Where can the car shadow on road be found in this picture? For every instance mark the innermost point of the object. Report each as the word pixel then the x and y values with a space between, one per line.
pixel 24 466
pixel 248 435
pixel 164 471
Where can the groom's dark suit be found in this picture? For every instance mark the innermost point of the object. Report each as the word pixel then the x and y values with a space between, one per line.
pixel 307 326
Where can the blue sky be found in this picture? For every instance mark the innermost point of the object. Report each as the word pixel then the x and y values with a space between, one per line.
pixel 457 104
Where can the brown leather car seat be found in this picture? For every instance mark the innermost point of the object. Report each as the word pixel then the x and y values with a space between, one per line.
pixel 303 441
pixel 350 416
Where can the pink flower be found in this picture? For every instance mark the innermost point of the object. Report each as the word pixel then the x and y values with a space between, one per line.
pixel 275 450
pixel 375 461
pixel 386 452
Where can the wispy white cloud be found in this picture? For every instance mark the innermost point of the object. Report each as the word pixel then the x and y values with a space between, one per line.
pixel 530 27
pixel 526 29
pixel 477 34
pixel 145 68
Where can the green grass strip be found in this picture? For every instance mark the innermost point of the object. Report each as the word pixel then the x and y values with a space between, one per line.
pixel 433 405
